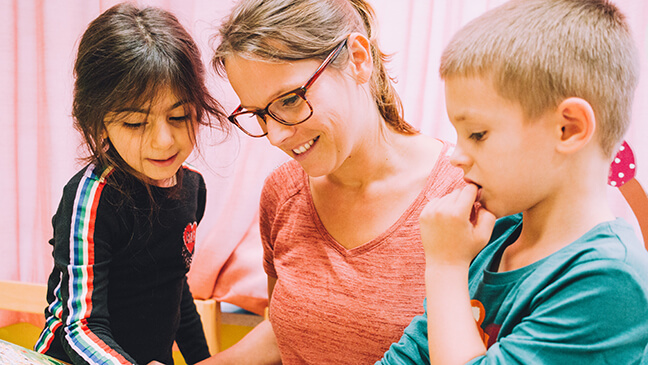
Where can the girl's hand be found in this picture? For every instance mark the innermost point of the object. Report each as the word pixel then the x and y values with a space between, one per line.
pixel 455 228
pixel 155 363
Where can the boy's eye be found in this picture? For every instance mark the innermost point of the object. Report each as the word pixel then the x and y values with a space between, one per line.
pixel 478 136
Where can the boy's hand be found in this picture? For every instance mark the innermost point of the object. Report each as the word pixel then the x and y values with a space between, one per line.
pixel 454 228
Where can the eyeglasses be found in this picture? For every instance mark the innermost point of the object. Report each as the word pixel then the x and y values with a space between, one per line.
pixel 290 108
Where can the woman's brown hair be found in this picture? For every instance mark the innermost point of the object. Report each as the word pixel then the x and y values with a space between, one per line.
pixel 288 30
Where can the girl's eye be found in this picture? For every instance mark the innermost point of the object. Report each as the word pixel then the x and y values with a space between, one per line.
pixel 134 125
pixel 179 119
pixel 477 136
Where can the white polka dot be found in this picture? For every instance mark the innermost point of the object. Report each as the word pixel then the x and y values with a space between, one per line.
pixel 622 148
pixel 613 183
pixel 621 175
pixel 617 160
pixel 632 166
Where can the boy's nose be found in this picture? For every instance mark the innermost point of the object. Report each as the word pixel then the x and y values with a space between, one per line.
pixel 277 132
pixel 459 158
pixel 162 135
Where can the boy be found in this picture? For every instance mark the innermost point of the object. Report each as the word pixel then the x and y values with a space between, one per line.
pixel 540 93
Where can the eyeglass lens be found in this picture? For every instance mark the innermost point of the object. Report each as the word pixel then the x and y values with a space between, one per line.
pixel 291 109
pixel 288 109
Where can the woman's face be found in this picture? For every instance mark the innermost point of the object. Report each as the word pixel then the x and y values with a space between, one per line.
pixel 335 130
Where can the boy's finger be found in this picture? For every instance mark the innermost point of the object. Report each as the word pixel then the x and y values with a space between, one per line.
pixel 458 203
pixel 484 223
pixel 466 199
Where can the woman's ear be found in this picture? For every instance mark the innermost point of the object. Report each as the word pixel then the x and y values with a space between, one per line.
pixel 360 58
pixel 576 123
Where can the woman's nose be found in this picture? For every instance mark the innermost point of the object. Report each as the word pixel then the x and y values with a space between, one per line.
pixel 277 132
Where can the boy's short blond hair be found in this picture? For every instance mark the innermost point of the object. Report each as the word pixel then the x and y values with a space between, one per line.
pixel 540 52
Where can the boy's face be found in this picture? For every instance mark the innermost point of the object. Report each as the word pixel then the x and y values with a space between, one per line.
pixel 499 150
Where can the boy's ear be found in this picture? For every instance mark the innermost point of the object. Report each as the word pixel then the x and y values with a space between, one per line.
pixel 360 59
pixel 576 124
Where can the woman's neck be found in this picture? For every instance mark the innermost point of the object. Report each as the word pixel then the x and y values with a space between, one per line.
pixel 376 158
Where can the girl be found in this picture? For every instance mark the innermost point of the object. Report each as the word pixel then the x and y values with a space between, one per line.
pixel 124 231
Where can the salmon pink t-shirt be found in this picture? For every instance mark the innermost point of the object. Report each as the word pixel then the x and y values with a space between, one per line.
pixel 333 305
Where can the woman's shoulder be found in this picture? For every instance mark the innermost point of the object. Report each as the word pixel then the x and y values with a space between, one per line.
pixel 444 176
pixel 283 183
pixel 289 176
pixel 427 152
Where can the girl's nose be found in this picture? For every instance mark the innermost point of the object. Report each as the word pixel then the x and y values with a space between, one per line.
pixel 161 135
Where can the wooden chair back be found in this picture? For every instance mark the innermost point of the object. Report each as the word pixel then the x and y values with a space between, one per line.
pixel 23 297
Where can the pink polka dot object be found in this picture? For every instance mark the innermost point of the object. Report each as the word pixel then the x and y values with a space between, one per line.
pixel 623 167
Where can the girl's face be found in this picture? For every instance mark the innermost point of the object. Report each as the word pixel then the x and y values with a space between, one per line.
pixel 154 139
pixel 330 136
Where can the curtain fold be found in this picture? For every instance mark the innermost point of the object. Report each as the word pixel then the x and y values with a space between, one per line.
pixel 39 147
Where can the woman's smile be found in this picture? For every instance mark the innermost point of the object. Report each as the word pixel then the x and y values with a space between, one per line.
pixel 305 147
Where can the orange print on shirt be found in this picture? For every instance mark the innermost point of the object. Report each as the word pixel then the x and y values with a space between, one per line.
pixel 479 313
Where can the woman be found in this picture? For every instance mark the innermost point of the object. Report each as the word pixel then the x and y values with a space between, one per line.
pixel 339 224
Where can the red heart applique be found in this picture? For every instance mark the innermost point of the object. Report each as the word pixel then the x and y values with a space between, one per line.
pixel 189 236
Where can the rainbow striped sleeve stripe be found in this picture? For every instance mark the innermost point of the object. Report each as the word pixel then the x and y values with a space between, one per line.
pixel 52 321
pixel 80 271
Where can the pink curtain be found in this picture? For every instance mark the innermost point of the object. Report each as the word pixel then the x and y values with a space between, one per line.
pixel 38 148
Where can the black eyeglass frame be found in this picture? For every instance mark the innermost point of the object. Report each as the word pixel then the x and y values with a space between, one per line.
pixel 300 91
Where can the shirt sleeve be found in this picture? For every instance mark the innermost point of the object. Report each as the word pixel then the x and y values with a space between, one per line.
pixel 412 348
pixel 267 212
pixel 595 313
pixel 201 199
pixel 83 252
pixel 191 336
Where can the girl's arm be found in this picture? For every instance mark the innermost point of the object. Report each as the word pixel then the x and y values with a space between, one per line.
pixel 191 336
pixel 83 232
